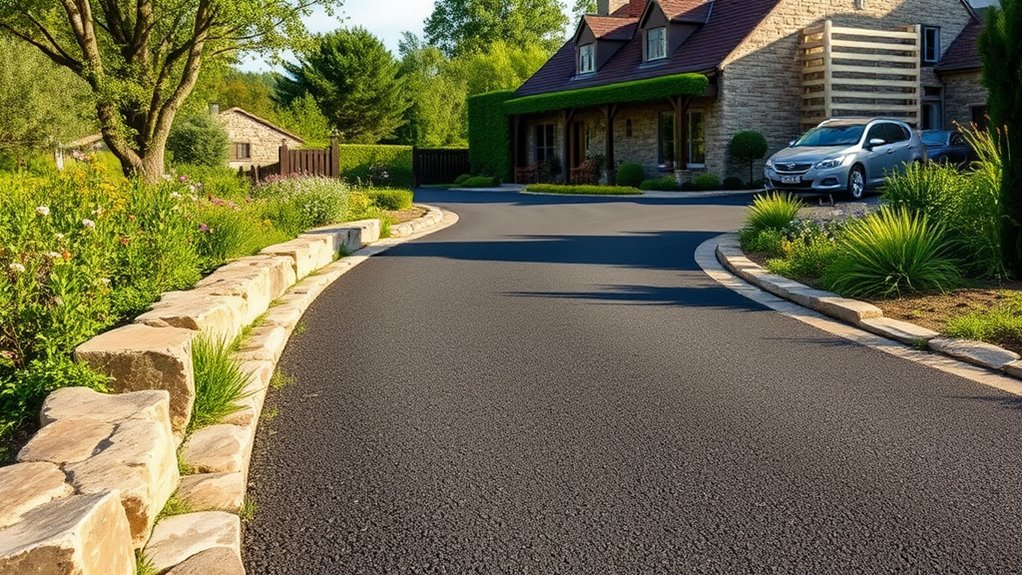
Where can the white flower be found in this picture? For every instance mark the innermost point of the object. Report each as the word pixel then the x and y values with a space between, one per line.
pixel 59 236
pixel 43 210
pixel 55 255
pixel 104 281
pixel 97 211
pixel 16 268
pixel 175 196
pixel 192 188
pixel 88 223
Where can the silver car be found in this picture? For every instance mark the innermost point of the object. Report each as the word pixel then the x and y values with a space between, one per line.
pixel 845 156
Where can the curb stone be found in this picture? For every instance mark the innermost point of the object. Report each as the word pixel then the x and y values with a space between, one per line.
pixel 864 315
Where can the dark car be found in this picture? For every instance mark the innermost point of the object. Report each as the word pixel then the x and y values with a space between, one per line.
pixel 947 147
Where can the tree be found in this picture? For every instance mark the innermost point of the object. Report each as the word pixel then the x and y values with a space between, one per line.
pixel 1000 46
pixel 500 65
pixel 583 7
pixel 748 147
pixel 41 104
pixel 303 117
pixel 435 118
pixel 461 26
pixel 142 58
pixel 354 79
pixel 198 141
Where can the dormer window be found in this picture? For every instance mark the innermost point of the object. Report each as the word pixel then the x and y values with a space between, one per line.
pixel 656 44
pixel 586 59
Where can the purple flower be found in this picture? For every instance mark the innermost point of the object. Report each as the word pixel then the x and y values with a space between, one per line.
pixel 204 228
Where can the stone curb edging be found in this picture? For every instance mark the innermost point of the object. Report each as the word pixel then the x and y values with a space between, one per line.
pixel 88 501
pixel 864 315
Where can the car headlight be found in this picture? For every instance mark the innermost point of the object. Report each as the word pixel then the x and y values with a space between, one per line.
pixel 833 162
pixel 770 164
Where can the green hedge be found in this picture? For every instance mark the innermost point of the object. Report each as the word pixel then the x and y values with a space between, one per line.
pixel 480 182
pixel 489 134
pixel 370 163
pixel 582 190
pixel 634 91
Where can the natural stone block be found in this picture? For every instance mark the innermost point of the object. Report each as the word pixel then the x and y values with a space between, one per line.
pixel 178 538
pixel 219 561
pixel 85 403
pixel 216 449
pixel 140 357
pixel 974 352
pixel 309 253
pixel 902 331
pixel 77 535
pixel 25 486
pixel 280 268
pixel 286 316
pixel 264 343
pixel 213 491
pixel 218 317
pixel 67 441
pixel 848 310
pixel 1014 369
pixel 252 283
pixel 352 236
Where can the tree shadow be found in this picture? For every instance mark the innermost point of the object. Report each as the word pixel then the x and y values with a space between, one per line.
pixel 686 296
pixel 510 198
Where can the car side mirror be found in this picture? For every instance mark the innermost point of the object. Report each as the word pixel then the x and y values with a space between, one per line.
pixel 791 144
pixel 875 142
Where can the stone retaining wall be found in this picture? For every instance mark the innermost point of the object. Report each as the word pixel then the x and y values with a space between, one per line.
pixel 88 488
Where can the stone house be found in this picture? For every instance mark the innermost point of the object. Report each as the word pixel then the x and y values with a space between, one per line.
pixel 774 66
pixel 253 140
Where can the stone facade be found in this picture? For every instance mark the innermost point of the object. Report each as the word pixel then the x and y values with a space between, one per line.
pixel 963 94
pixel 262 137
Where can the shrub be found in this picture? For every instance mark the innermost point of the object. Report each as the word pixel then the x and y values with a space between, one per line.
pixel 391 199
pixel 198 140
pixel 769 242
pixel 219 382
pixel 582 190
pixel 489 134
pixel 889 253
pixel 218 181
pixel 300 203
pixel 461 179
pixel 481 182
pixel 664 184
pixel 748 147
pixel 733 183
pixel 807 250
pixel 706 182
pixel 774 211
pixel 630 175
pixel 378 165
pixel 924 189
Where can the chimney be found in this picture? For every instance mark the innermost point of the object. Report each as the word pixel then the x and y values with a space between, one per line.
pixel 608 7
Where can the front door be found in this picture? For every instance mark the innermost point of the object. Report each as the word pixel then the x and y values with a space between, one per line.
pixel 577 149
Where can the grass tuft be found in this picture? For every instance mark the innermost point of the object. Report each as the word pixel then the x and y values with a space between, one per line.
pixel 774 211
pixel 1002 324
pixel 175 506
pixel 219 382
pixel 280 380
pixel 248 509
pixel 143 565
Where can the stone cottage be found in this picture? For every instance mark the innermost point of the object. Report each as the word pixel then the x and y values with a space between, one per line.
pixel 774 66
pixel 253 140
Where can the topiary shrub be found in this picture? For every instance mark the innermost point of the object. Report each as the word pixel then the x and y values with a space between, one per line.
pixel 748 147
pixel 733 183
pixel 630 175
pixel 199 141
pixel 706 182
pixel 481 182
pixel 461 179
pixel 664 184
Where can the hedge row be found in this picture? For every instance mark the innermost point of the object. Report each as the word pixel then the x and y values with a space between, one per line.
pixel 634 91
pixel 582 190
pixel 489 134
pixel 379 164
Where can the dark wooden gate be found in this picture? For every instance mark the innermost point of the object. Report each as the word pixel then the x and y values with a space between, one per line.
pixel 439 166
pixel 324 162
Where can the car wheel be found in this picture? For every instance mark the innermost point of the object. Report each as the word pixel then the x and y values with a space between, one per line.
pixel 856 183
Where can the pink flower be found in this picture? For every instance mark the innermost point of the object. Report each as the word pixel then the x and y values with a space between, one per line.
pixel 204 228
pixel 182 179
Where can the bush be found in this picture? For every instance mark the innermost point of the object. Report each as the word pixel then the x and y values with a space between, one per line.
pixel 489 134
pixel 748 147
pixel 706 182
pixel 733 183
pixel 582 190
pixel 218 181
pixel 481 182
pixel 769 242
pixel 630 175
pixel 219 382
pixel 391 199
pixel 664 184
pixel 461 179
pixel 301 203
pixel 198 140
pixel 377 165
pixel 889 253
pixel 924 189
pixel 774 211
pixel 806 252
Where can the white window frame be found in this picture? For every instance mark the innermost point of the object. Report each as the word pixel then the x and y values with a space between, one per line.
pixel 660 51
pixel 587 55
pixel 925 45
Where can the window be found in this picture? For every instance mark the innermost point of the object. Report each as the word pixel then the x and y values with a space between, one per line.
pixel 241 151
pixel 586 59
pixel 931 44
pixel 696 139
pixel 656 44
pixel 544 143
pixel 668 140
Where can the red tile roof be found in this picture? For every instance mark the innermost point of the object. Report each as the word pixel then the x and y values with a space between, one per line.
pixel 727 23
pixel 963 54
pixel 696 11
pixel 611 27
pixel 633 9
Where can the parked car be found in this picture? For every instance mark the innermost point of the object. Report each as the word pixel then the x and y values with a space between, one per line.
pixel 844 156
pixel 947 147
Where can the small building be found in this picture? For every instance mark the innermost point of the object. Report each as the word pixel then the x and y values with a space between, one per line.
pixel 774 66
pixel 253 140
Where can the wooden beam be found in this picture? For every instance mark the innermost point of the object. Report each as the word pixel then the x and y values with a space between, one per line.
pixel 566 118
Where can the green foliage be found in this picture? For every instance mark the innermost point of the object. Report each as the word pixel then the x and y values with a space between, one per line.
pixel 890 253
pixel 219 382
pixel 174 506
pixel 925 189
pixel 774 211
pixel 706 182
pixel 217 181
pixel 664 184
pixel 630 175
pixel 464 26
pixel 199 140
pixel 437 115
pixel 143 565
pixel 489 134
pixel 377 164
pixel 461 179
pixel 481 182
pixel 583 7
pixel 354 79
pixel 733 183
pixel 748 146
pixel 1000 46
pixel 279 380
pixel 806 252
pixel 297 204
pixel 766 241
pixel 582 190
pixel 635 91
pixel 391 199
pixel 1002 324
pixel 304 118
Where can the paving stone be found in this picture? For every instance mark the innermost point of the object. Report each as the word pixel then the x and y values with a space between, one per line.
pixel 219 317
pixel 219 561
pixel 902 331
pixel 178 538
pixel 67 441
pixel 309 253
pixel 216 449
pixel 1014 369
pixel 140 357
pixel 974 352
pixel 848 310
pixel 26 486
pixel 213 491
pixel 76 535
pixel 286 316
pixel 264 343
pixel 85 403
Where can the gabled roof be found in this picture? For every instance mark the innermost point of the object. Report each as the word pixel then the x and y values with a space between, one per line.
pixel 963 54
pixel 724 24
pixel 611 27
pixel 267 123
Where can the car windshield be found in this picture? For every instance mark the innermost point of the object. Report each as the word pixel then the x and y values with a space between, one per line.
pixel 831 136
pixel 935 138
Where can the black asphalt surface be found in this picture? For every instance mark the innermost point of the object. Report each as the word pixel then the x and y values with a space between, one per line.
pixel 553 386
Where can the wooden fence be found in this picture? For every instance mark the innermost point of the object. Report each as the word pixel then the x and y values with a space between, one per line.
pixel 324 162
pixel 439 166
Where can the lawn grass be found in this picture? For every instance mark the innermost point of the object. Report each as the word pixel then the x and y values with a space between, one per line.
pixel 583 190
pixel 1002 324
